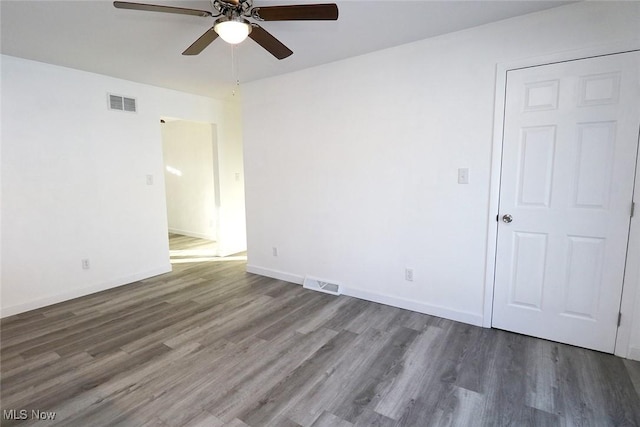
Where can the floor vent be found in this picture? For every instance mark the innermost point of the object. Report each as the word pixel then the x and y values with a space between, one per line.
pixel 321 285
pixel 122 103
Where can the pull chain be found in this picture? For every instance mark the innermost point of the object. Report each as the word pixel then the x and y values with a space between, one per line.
pixel 234 69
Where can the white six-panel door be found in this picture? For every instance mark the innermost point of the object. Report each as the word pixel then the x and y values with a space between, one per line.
pixel 568 163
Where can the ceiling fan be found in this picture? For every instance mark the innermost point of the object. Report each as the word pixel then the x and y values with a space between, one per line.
pixel 232 26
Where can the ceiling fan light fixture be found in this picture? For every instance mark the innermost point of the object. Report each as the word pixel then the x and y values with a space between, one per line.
pixel 233 31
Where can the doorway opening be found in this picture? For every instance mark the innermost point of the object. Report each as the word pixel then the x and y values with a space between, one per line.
pixel 192 188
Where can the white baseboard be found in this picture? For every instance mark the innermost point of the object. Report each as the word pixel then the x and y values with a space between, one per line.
pixel 634 353
pixel 433 310
pixel 407 304
pixel 193 234
pixel 275 274
pixel 80 292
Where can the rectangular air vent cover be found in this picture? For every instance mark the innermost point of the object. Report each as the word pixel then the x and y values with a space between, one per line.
pixel 122 103
pixel 321 285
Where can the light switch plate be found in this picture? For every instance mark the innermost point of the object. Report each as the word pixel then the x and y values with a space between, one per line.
pixel 463 176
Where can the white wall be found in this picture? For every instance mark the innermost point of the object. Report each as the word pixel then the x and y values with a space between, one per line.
pixel 1 133
pixel 187 149
pixel 232 237
pixel 351 167
pixel 74 181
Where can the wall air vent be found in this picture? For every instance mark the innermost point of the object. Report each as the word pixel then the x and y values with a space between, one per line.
pixel 321 285
pixel 122 103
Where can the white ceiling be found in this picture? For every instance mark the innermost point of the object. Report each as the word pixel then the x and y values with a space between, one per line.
pixel 146 46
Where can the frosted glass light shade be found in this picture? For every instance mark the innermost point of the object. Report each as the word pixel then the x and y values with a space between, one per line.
pixel 233 32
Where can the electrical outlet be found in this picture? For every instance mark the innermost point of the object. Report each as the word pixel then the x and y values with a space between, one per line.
pixel 408 274
pixel 274 251
pixel 85 264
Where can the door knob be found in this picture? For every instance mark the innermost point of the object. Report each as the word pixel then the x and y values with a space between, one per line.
pixel 507 218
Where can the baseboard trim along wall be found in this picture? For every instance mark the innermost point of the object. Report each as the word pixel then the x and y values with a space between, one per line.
pixel 81 292
pixel 634 353
pixel 275 274
pixel 434 310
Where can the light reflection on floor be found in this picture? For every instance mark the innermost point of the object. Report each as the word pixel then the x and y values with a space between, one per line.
pixel 185 249
pixel 208 259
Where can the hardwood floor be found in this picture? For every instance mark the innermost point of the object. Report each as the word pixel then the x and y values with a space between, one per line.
pixel 212 345
pixel 190 249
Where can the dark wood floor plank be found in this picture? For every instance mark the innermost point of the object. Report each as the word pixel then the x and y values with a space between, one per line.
pixel 34 376
pixel 576 400
pixel 85 329
pixel 21 320
pixel 276 401
pixel 633 369
pixel 204 419
pixel 375 316
pixel 437 392
pixel 474 363
pixel 328 391
pixel 130 381
pixel 542 384
pixel 212 345
pixel 349 376
pixel 236 423
pixel 87 376
pixel 458 407
pixel 343 315
pixel 621 405
pixel 220 323
pixel 196 388
pixel 122 333
pixel 42 324
pixel 308 305
pixel 110 414
pixel 18 364
pixel 506 383
pixel 193 328
pixel 327 419
pixel 12 363
pixel 30 396
pixel 314 321
pixel 260 381
pixel 270 314
pixel 192 383
pixel 418 365
pixel 370 418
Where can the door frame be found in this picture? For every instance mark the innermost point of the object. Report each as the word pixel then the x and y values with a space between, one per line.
pixel 631 282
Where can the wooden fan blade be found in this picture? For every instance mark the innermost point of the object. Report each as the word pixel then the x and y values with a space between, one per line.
pixel 299 12
pixel 158 8
pixel 204 41
pixel 270 43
